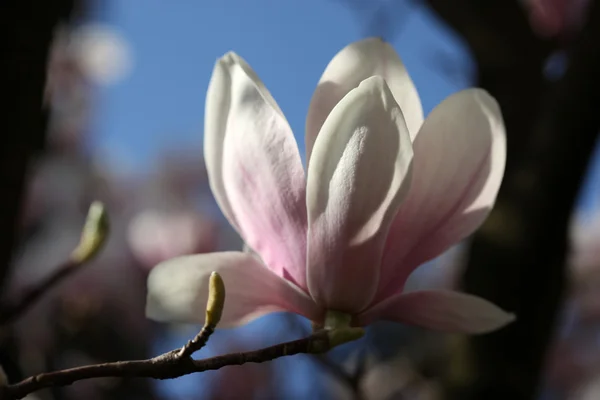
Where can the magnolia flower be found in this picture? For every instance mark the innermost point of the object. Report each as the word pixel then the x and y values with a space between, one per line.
pixel 384 192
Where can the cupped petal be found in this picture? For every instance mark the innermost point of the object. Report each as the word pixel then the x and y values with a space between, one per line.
pixel 441 310
pixel 254 167
pixel 353 64
pixel 460 153
pixel 178 290
pixel 357 178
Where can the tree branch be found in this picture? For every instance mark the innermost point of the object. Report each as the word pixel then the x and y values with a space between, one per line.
pixel 11 311
pixel 174 363
pixel 93 237
pixel 166 366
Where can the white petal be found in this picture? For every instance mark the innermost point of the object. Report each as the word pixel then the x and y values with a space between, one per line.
pixel 178 290
pixel 353 64
pixel 254 167
pixel 460 153
pixel 357 178
pixel 440 310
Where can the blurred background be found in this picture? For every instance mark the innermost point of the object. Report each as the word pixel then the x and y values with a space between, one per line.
pixel 105 100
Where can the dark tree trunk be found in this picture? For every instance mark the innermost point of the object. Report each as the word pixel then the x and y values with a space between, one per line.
pixel 26 31
pixel 517 259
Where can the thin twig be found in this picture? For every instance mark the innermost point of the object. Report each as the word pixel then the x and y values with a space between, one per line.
pixel 11 311
pixel 166 366
pixel 93 237
pixel 196 343
pixel 172 364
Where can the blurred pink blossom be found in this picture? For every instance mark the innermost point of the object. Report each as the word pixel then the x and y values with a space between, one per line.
pixel 556 17
pixel 575 357
pixel 155 236
pixel 584 265
pixel 585 243
pixel 385 191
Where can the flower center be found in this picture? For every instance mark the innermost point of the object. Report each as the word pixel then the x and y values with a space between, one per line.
pixel 337 319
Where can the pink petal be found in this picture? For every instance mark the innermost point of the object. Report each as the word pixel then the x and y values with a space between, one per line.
pixel 441 310
pixel 178 290
pixel 254 167
pixel 460 154
pixel 357 178
pixel 353 64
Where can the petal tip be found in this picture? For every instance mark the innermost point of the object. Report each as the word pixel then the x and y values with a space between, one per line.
pixel 229 56
pixel 229 60
pixel 373 41
pixel 373 81
pixel 498 320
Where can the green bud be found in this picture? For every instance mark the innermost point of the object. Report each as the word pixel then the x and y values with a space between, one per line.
pixel 216 300
pixel 93 235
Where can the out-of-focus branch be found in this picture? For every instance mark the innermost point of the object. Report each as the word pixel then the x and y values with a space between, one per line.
pixel 12 310
pixel 517 259
pixel 166 366
pixel 498 32
pixel 384 19
pixel 93 236
pixel 509 57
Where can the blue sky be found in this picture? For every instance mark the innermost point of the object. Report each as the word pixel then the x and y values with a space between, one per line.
pixel 175 44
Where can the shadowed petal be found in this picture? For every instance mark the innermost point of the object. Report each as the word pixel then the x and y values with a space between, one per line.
pixel 353 64
pixel 459 160
pixel 440 310
pixel 254 167
pixel 178 290
pixel 357 178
